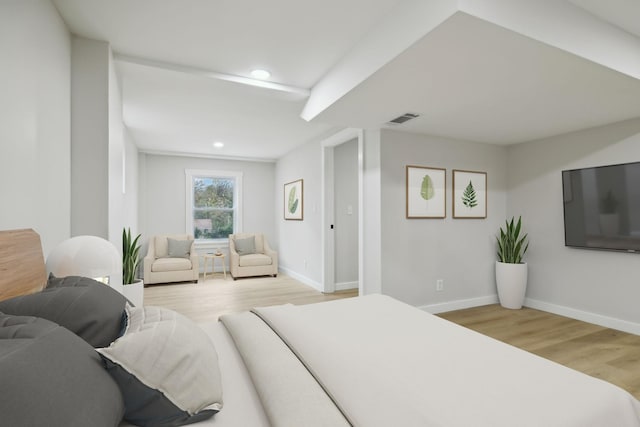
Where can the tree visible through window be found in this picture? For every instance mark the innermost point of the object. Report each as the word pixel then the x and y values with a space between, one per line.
pixel 214 205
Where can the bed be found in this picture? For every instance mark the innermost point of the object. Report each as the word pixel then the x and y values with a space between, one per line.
pixel 374 361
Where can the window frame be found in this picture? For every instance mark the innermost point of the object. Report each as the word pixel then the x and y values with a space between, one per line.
pixel 190 174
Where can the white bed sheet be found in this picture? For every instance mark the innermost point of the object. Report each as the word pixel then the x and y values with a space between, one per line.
pixel 242 407
pixel 385 363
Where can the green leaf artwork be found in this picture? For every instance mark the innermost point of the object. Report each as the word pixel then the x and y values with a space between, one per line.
pixel 469 196
pixel 293 200
pixel 426 189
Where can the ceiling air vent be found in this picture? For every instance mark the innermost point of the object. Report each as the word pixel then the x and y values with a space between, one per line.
pixel 403 118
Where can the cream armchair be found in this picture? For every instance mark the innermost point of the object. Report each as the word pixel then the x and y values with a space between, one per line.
pixel 171 261
pixel 250 255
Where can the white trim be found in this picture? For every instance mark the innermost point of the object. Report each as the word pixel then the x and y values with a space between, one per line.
pixel 343 286
pixel 299 277
pixel 237 197
pixel 360 134
pixel 459 304
pixel 585 316
pixel 328 243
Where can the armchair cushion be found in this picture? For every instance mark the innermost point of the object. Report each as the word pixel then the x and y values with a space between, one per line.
pixel 171 264
pixel 246 246
pixel 179 248
pixel 253 260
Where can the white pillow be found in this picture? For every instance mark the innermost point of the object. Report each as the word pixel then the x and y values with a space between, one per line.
pixel 166 368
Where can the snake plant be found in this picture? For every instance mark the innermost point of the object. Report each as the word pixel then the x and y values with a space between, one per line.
pixel 130 259
pixel 511 246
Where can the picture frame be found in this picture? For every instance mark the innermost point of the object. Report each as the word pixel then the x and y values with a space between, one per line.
pixel 293 200
pixel 469 194
pixel 426 192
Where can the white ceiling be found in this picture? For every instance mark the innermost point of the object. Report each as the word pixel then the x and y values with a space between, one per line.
pixel 469 78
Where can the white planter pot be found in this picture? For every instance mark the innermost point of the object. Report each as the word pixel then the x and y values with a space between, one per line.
pixel 511 280
pixel 134 292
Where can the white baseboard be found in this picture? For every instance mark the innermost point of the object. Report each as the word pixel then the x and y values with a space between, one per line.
pixel 343 286
pixel 459 304
pixel 315 285
pixel 585 316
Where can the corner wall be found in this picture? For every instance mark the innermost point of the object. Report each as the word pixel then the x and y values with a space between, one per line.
pixel 35 108
pixel 597 286
pixel 461 252
pixel 103 156
pixel 300 242
pixel 90 138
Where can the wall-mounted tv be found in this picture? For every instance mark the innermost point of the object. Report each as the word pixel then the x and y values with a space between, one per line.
pixel 602 207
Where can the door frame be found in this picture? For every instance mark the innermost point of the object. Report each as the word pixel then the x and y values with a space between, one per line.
pixel 328 213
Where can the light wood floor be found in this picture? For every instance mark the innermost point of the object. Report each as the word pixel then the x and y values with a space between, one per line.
pixel 208 299
pixel 604 353
pixel 601 352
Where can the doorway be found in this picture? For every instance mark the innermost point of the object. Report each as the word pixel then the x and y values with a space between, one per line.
pixel 342 213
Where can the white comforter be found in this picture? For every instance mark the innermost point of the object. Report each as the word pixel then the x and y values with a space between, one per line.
pixel 384 363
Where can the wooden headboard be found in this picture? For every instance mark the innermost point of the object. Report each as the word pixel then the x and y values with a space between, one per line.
pixel 22 268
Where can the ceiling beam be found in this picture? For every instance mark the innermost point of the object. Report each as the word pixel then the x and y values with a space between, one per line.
pixel 200 72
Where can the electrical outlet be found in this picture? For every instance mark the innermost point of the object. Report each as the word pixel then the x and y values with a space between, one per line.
pixel 439 285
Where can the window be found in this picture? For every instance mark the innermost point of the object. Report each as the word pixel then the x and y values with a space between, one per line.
pixel 214 208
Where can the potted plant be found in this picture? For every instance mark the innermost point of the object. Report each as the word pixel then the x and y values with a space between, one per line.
pixel 133 288
pixel 511 272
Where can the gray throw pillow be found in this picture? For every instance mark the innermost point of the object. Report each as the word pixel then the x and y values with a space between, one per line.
pixel 51 377
pixel 246 246
pixel 166 367
pixel 90 309
pixel 179 248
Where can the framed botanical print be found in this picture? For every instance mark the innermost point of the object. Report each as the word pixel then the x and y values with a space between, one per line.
pixel 469 194
pixel 293 200
pixel 425 190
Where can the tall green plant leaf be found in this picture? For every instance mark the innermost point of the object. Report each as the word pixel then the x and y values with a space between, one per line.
pixel 130 256
pixel 427 190
pixel 511 246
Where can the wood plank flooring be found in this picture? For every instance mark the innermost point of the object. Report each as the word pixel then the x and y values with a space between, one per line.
pixel 209 299
pixel 604 353
pixel 601 352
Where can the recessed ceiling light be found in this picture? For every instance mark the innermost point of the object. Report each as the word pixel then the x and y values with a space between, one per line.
pixel 218 144
pixel 260 74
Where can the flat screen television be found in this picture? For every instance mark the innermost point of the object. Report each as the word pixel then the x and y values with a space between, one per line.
pixel 602 207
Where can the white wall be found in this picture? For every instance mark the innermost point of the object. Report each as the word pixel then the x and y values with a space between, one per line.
pixel 117 152
pixel 574 282
pixel 417 252
pixel 346 213
pixel 35 47
pixel 371 276
pixel 300 244
pixel 90 138
pixel 162 193
pixel 102 154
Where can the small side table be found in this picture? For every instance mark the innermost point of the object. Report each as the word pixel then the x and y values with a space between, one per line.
pixel 213 258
